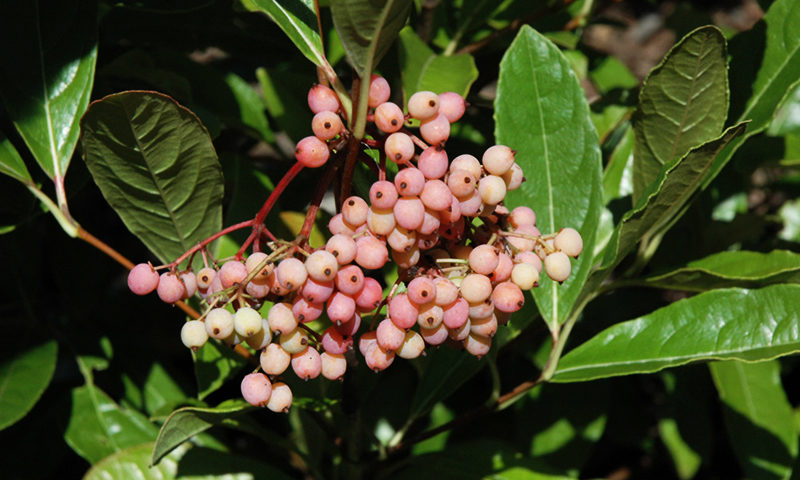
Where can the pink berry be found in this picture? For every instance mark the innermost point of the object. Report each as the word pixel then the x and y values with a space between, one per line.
pixel 498 159
pixel 435 130
pixel 379 91
pixel 281 398
pixel 569 241
pixel 256 389
pixel 381 221
pixel 205 276
pixel 322 98
pixel 333 365
pixel 389 117
pixel 312 152
pixel 342 247
pixel 350 327
pixel 461 182
pixel 402 311
pixel 434 336
pixel 231 273
pixel 291 273
pixel 340 307
pixel 354 211
pixel 334 342
pixel 475 288
pixel 433 162
pixel 477 345
pixel 350 280
pixel 142 279
pixel 409 181
pixel 321 266
pixel 383 194
pixel 307 364
pixel 452 106
pixel 326 125
pixel 522 216
pixel 306 311
pixel 421 290
pixel 389 336
pixel 436 195
pixel 399 147
pixel 483 259
pixel 338 226
pixel 508 297
pixel 430 315
pixel 274 359
pixel 170 288
pixel 430 223
pixel 409 212
pixel 413 346
pixel 317 292
pixel 423 105
pixel 372 253
pixel 556 265
pixel 281 318
pixel 370 296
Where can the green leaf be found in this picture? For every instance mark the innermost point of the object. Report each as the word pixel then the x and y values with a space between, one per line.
pixel 156 166
pixel 740 324
pixel 758 417
pixel 732 269
pixel 298 20
pixel 185 423
pixel 283 103
pixel 445 370
pixel 24 376
pixel 160 390
pixel 617 176
pixel 11 163
pixel 368 28
pixel 787 116
pixel 250 106
pixel 611 73
pixel 214 364
pixel 422 69
pixel 46 78
pixel 777 75
pixel 98 427
pixel 666 197
pixel 541 112
pixel 683 103
pixel 197 463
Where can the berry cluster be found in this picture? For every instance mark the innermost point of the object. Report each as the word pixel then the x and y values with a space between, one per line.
pixel 463 259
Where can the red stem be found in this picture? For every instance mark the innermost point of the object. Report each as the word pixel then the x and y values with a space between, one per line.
pixel 204 243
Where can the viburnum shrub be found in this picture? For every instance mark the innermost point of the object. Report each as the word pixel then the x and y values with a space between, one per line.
pixel 510 251
pixel 463 259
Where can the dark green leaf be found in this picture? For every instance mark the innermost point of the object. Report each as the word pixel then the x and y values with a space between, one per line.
pixel 683 103
pixel 666 197
pixel 758 417
pixel 787 117
pixel 732 269
pixel 424 70
pixel 618 174
pixel 197 463
pixel 46 78
pixel 777 75
pixel 287 107
pixel 445 371
pixel 741 324
pixel 368 28
pixel 298 21
pixel 155 165
pixel 24 375
pixel 214 364
pixel 541 112
pixel 11 163
pixel 185 423
pixel 251 107
pixel 98 427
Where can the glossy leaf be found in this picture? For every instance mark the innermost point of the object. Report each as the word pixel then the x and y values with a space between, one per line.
pixel 155 165
pixel 185 423
pixel 758 417
pixel 445 371
pixel 777 75
pixel 541 112
pixel 732 269
pixel 214 364
pixel 367 28
pixel 618 174
pixel 47 77
pixel 11 163
pixel 666 197
pixel 422 69
pixel 682 103
pixel 298 21
pixel 24 376
pixel 741 324
pixel 197 463
pixel 98 427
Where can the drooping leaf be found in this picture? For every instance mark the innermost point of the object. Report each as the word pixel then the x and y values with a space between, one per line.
pixel 198 463
pixel 11 163
pixel 214 364
pixel 758 417
pixel 422 69
pixel 732 269
pixel 541 112
pixel 47 77
pixel 298 21
pixel 184 423
pixel 778 74
pixel 666 197
pixel 682 103
pixel 751 325
pixel 155 165
pixel 367 28
pixel 618 174
pixel 446 370
pixel 24 376
pixel 98 427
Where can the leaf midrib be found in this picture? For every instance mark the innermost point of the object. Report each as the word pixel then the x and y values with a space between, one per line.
pixel 688 101
pixel 46 99
pixel 301 32
pixel 161 192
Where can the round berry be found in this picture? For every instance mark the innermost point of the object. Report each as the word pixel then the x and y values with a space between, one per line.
pixel 333 365
pixel 142 279
pixel 247 321
pixel 322 98
pixel 262 338
pixel 569 241
pixel 412 347
pixel 256 389
pixel 170 288
pixel 383 194
pixel 205 276
pixel 219 323
pixel 372 253
pixel 193 334
pixel 189 284
pixel 492 189
pixel 389 117
pixel 281 318
pixel 421 290
pixel 475 288
pixel 435 130
pixel 409 181
pixel 291 273
pixel 231 273
pixel 294 342
pixel 508 297
pixel 399 147
pixel 557 266
pixel 312 152
pixel 483 259
pixel 432 162
pixel 498 159
pixel 326 125
pixel 354 211
pixel 452 106
pixel 379 91
pixel 423 105
pixel 342 247
pixel 281 399
pixel 525 275
pixel 322 266
pixel 274 359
